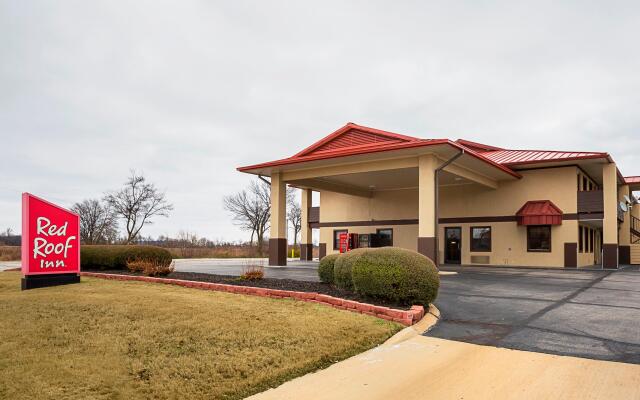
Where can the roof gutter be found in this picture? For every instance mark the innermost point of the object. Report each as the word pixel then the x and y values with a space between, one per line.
pixel 437 193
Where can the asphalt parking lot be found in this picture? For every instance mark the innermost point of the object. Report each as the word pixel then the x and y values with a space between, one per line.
pixel 592 314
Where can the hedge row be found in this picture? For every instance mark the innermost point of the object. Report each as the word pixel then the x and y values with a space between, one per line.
pixel 116 256
pixel 389 273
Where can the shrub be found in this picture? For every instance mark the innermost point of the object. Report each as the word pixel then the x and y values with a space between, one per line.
pixel 252 273
pixel 151 267
pixel 117 256
pixel 399 275
pixel 325 268
pixel 342 268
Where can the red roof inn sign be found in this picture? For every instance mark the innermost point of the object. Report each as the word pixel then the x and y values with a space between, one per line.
pixel 50 244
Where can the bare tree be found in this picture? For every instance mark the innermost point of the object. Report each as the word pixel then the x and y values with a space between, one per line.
pixel 98 222
pixel 294 215
pixel 8 232
pixel 137 203
pixel 294 212
pixel 251 210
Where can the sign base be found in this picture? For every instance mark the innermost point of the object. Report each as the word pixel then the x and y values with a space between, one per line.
pixel 39 281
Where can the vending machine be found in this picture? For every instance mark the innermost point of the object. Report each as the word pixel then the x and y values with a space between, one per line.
pixel 348 241
pixel 344 242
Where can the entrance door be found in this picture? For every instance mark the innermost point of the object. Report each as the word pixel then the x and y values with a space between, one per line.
pixel 452 245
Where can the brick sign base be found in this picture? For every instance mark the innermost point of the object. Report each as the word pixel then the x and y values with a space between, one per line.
pixel 405 317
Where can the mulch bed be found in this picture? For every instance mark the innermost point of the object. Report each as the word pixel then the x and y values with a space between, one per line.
pixel 270 283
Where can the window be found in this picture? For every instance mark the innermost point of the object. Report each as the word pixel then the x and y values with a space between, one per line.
pixel 591 235
pixel 539 238
pixel 480 238
pixel 336 238
pixel 385 237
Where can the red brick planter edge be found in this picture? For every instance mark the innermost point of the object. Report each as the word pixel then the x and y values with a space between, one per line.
pixel 405 317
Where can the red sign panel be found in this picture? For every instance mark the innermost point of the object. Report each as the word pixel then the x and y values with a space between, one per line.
pixel 50 238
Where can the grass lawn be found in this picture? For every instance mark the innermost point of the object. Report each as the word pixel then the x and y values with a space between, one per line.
pixel 121 340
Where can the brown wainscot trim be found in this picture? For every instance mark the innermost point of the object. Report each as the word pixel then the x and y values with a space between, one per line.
pixel 322 250
pixel 624 255
pixel 278 251
pixel 428 246
pixel 571 255
pixel 306 251
pixel 610 256
pixel 450 220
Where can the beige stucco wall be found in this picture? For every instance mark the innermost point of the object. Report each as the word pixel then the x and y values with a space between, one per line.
pixel 588 258
pixel 509 241
pixel 555 184
pixel 384 205
pixel 509 244
pixel 624 233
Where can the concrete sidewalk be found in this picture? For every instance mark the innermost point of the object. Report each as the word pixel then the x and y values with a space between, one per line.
pixel 4 265
pixel 430 368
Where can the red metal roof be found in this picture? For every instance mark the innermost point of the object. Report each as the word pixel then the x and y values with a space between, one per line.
pixel 632 179
pixel 475 146
pixel 354 139
pixel 352 135
pixel 516 157
pixel 539 212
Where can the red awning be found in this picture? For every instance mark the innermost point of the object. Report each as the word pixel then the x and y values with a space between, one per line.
pixel 539 212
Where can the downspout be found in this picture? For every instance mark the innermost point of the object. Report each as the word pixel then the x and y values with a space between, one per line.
pixel 262 178
pixel 436 191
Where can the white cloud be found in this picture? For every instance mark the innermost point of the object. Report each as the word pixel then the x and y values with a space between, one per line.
pixel 187 91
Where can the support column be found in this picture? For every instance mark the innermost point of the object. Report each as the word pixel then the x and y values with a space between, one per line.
pixel 624 249
pixel 306 239
pixel 278 230
pixel 427 243
pixel 610 221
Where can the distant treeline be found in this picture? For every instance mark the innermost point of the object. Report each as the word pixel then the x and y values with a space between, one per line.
pixel 12 240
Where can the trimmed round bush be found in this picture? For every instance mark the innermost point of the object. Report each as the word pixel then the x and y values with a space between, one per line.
pixel 325 268
pixel 342 268
pixel 116 256
pixel 395 274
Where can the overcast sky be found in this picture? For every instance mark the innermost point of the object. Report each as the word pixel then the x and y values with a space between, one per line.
pixel 186 91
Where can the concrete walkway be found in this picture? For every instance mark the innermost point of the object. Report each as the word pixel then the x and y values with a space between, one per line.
pixel 431 368
pixel 295 269
pixel 4 265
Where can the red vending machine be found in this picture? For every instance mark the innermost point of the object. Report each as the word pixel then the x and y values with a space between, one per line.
pixel 344 242
pixel 348 241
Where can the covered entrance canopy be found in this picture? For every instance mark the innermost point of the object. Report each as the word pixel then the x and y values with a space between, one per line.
pixel 361 161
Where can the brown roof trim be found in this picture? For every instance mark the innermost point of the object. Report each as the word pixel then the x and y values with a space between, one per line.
pixel 450 220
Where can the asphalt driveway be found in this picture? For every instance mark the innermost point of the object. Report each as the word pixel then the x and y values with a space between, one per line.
pixel 593 314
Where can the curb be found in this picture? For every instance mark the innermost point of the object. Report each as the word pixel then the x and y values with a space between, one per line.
pixel 430 319
pixel 405 317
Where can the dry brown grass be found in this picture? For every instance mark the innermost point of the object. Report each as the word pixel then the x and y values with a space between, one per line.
pixel 10 253
pixel 151 267
pixel 127 340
